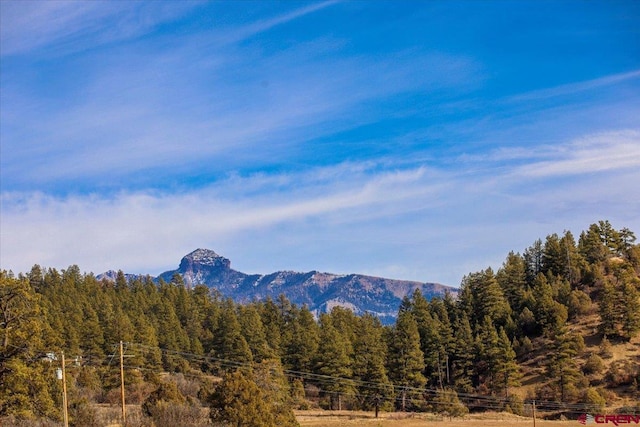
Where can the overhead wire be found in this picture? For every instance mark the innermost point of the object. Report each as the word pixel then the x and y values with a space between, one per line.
pixel 320 380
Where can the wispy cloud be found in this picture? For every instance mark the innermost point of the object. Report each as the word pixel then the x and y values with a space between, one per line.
pixel 573 88
pixel 348 207
pixel 261 26
pixel 330 135
pixel 68 26
pixel 156 110
pixel 596 153
pixel 225 107
pixel 50 223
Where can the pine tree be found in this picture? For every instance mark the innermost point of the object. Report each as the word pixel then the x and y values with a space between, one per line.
pixel 333 361
pixel 254 334
pixel 369 371
pixel 119 327
pixel 431 341
pixel 487 346
pixel 91 335
pixel 229 345
pixel 590 245
pixel 533 256
pixel 24 390
pixel 121 281
pixel 550 314
pixel 608 311
pixel 630 310
pixel 274 322
pixel 302 347
pixel 270 377
pixel 573 262
pixel 627 240
pixel 553 256
pixel 487 298
pixel 462 361
pixel 189 313
pixel 507 369
pixel 433 349
pixel 512 279
pixel 443 314
pixel 609 237
pixel 146 335
pixel 561 366
pixel 405 360
pixel 345 321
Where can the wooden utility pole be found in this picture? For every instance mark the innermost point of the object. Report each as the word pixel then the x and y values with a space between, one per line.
pixel 534 413
pixel 65 413
pixel 124 411
pixel 440 372
pixel 447 359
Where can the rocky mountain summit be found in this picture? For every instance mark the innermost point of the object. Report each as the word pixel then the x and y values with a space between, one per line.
pixel 319 291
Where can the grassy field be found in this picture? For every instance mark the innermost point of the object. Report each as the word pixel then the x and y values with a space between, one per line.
pixel 352 419
pixel 110 417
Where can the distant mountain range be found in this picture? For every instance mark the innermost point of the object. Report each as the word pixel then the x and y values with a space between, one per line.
pixel 320 292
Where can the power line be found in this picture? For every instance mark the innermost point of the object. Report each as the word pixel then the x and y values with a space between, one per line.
pixel 473 400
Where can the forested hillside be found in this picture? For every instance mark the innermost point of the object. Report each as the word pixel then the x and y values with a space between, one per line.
pixel 558 323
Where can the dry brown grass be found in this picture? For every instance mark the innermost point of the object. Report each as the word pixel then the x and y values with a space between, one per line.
pixel 318 418
pixel 586 326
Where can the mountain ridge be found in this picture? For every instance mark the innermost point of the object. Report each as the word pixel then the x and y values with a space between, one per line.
pixel 319 291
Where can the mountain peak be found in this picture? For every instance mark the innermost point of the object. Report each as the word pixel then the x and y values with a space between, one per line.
pixel 205 257
pixel 318 291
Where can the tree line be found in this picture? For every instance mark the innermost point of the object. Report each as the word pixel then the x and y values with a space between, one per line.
pixel 440 355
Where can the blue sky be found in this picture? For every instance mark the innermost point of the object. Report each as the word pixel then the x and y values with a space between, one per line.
pixel 411 140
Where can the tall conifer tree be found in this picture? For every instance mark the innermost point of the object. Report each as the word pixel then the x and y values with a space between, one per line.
pixel 373 385
pixel 333 361
pixel 405 360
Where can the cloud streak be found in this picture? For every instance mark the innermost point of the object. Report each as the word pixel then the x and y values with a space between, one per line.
pixel 51 224
pixel 69 26
pixel 256 28
pixel 352 201
pixel 231 124
pixel 598 153
pixel 574 88
pixel 310 135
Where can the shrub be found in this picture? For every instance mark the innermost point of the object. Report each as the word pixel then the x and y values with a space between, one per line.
pixel 526 346
pixel 629 409
pixel 166 392
pixel 168 407
pixel 577 342
pixel 189 388
pixel 606 349
pixel 593 365
pixel 14 421
pixel 139 392
pixel 172 414
pixel 515 405
pixel 82 414
pixel 594 401
pixel 578 303
pixel 622 372
pixel 298 397
pixel 447 403
pixel 238 400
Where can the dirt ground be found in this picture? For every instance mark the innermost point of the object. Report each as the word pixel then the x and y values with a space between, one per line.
pixel 352 419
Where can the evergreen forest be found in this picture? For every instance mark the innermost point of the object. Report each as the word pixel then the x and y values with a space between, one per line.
pixel 558 324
